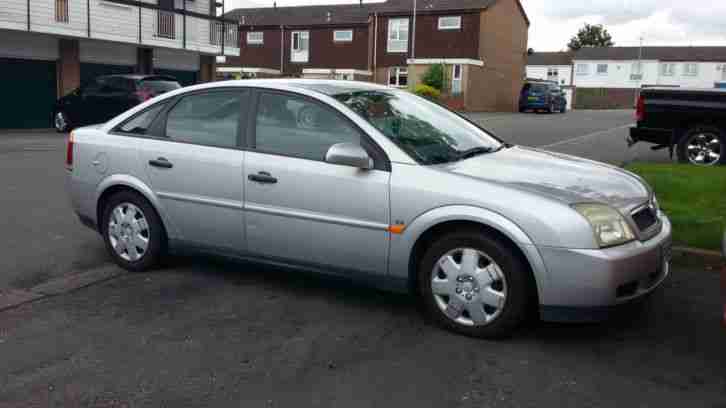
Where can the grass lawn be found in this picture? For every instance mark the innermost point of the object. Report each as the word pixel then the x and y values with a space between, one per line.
pixel 694 198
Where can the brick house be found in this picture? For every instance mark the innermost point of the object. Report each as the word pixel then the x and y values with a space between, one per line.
pixel 480 43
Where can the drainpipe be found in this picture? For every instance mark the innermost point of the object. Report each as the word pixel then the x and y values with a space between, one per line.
pixel 375 47
pixel 413 33
pixel 282 49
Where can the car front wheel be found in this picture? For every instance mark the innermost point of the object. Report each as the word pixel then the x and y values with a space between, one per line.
pixel 133 232
pixel 474 285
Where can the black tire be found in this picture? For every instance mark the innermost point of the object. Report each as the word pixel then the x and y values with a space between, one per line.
pixel 520 288
pixel 681 149
pixel 63 129
pixel 156 249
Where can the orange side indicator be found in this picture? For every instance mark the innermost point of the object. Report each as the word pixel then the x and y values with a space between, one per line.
pixel 396 228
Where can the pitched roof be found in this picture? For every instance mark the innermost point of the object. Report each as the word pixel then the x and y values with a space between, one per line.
pixel 306 15
pixel 550 58
pixel 695 54
pixel 349 13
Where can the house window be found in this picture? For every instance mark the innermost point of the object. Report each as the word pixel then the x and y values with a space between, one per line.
pixel 668 69
pixel 583 69
pixel 602 69
pixel 300 46
pixel 690 70
pixel 398 77
pixel 61 11
pixel 450 23
pixel 343 35
pixel 397 35
pixel 255 37
pixel 552 74
pixel 636 71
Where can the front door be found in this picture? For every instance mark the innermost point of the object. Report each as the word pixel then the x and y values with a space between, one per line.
pixel 195 168
pixel 300 46
pixel 456 75
pixel 302 209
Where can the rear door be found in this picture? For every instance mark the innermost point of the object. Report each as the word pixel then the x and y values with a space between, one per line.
pixel 195 167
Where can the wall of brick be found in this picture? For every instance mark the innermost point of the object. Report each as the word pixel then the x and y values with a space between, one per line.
pixel 604 98
pixel 68 66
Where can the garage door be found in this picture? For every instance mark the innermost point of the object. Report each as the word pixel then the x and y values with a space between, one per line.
pixel 185 78
pixel 90 71
pixel 29 88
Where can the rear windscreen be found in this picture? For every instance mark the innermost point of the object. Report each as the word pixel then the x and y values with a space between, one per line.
pixel 539 88
pixel 158 86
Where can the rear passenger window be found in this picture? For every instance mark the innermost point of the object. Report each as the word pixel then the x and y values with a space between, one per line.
pixel 141 123
pixel 295 126
pixel 209 119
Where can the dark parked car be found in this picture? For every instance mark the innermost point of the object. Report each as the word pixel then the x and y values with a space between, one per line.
pixel 107 96
pixel 691 122
pixel 542 96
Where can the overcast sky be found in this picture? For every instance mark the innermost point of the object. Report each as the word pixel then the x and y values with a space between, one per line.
pixel 659 22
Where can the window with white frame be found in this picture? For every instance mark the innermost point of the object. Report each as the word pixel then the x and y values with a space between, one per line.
pixel 255 37
pixel 450 23
pixel 553 74
pixel 602 69
pixel 667 69
pixel 583 69
pixel 636 71
pixel 343 35
pixel 690 70
pixel 398 77
pixel 300 46
pixel 397 35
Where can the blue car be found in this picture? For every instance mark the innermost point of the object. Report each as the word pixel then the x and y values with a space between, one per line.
pixel 542 96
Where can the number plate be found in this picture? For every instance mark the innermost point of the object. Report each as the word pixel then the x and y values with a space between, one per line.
pixel 532 98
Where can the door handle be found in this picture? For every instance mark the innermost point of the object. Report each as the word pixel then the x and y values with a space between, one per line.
pixel 262 177
pixel 161 162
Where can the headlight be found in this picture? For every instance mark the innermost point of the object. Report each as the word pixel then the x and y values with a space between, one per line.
pixel 609 226
pixel 654 203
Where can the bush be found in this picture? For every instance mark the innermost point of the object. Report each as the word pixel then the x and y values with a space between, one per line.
pixel 427 91
pixel 434 77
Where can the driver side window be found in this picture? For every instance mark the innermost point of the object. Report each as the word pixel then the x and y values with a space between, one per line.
pixel 298 127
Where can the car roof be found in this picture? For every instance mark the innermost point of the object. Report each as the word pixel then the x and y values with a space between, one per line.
pixel 326 87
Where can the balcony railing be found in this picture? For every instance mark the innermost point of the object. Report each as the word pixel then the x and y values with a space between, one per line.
pixel 165 24
pixel 223 34
pixel 128 21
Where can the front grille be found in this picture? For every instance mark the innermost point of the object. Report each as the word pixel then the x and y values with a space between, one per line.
pixel 644 218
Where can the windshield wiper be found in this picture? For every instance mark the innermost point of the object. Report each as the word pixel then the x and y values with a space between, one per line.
pixel 475 151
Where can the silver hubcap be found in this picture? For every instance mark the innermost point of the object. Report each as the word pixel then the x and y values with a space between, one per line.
pixel 704 149
pixel 128 232
pixel 469 287
pixel 60 121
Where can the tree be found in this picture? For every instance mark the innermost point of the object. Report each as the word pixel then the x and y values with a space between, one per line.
pixel 434 77
pixel 591 36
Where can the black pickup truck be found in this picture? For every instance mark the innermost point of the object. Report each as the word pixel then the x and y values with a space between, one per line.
pixel 691 122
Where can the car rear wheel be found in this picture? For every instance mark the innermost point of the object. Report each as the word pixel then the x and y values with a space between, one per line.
pixel 474 285
pixel 61 122
pixel 133 232
pixel 702 146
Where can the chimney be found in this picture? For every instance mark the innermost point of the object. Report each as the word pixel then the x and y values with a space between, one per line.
pixel 274 5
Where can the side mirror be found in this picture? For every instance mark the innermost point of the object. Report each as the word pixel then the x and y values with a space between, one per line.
pixel 349 154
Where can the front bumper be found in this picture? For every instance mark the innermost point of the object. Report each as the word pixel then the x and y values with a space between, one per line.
pixel 585 284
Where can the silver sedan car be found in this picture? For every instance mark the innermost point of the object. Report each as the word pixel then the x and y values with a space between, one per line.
pixel 374 184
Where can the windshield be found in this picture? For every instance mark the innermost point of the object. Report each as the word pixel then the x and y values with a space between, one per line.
pixel 429 133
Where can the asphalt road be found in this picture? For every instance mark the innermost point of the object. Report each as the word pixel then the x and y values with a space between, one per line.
pixel 597 135
pixel 216 333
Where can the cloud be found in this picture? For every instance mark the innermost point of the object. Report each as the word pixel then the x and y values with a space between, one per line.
pixel 610 11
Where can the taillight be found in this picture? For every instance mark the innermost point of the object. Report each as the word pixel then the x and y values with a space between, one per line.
pixel 69 151
pixel 640 109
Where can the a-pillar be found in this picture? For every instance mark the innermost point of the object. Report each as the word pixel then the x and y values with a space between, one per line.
pixel 68 66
